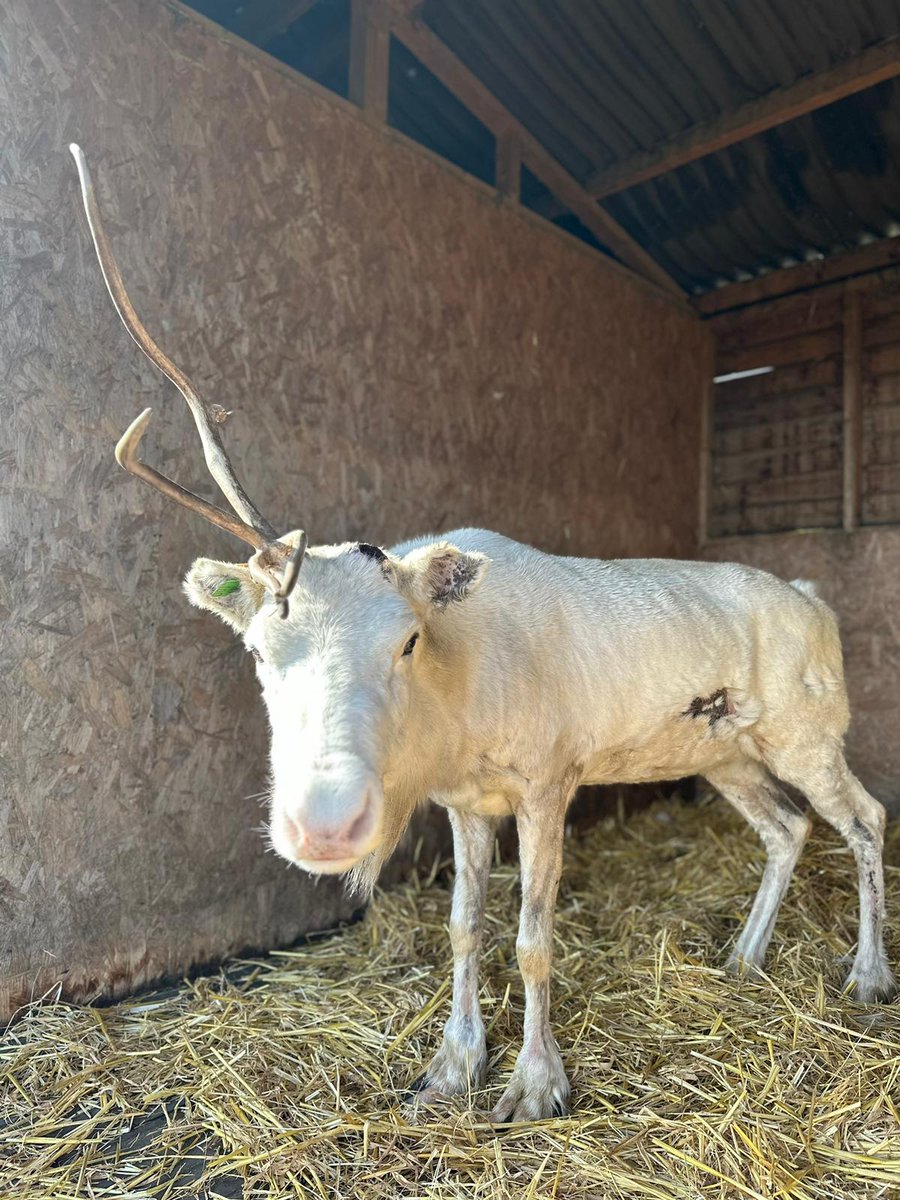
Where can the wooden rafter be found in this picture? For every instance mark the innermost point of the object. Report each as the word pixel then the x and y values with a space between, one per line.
pixel 786 104
pixel 369 57
pixel 877 256
pixel 470 91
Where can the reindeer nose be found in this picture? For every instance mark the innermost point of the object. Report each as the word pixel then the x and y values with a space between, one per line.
pixel 335 826
pixel 330 840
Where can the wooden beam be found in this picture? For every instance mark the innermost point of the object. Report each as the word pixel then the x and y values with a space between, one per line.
pixel 470 91
pixel 508 167
pixel 370 43
pixel 263 20
pixel 809 347
pixel 852 386
pixel 786 104
pixel 875 257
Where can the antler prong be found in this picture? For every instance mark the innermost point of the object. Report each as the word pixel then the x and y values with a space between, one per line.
pixel 249 525
pixel 127 457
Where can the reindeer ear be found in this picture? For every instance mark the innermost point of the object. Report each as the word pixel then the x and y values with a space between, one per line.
pixel 227 589
pixel 440 574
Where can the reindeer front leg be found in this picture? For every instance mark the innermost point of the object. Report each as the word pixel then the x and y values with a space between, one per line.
pixel 462 1059
pixel 538 1087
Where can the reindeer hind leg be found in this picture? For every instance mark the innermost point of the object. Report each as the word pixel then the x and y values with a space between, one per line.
pixel 821 773
pixel 783 829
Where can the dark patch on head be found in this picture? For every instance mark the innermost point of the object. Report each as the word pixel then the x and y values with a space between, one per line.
pixel 371 551
pixel 716 706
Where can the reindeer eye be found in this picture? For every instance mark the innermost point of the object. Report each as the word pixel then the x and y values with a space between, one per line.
pixel 256 654
pixel 410 645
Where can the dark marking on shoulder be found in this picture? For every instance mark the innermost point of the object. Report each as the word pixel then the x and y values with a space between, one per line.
pixel 716 706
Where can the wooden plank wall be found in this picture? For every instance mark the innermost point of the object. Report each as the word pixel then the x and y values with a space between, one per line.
pixel 784 447
pixel 402 352
pixel 880 465
pixel 776 437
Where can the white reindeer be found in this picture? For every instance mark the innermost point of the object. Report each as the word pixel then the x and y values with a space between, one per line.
pixel 495 680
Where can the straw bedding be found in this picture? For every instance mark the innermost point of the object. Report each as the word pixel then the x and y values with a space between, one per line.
pixel 285 1076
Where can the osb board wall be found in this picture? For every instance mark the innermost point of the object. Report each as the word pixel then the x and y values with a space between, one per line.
pixel 401 353
pixel 859 575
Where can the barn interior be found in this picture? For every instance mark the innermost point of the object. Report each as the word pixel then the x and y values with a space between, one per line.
pixel 617 279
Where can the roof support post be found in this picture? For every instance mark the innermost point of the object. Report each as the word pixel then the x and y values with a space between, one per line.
pixel 369 57
pixel 508 167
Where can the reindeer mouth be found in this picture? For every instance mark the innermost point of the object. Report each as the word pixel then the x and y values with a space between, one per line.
pixel 328 866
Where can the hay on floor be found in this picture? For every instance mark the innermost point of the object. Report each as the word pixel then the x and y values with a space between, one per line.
pixel 285 1076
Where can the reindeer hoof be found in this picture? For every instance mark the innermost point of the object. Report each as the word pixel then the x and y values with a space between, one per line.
pixel 871 985
pixel 454 1071
pixel 537 1091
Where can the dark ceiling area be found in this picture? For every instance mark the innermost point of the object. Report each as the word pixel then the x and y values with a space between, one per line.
pixel 603 84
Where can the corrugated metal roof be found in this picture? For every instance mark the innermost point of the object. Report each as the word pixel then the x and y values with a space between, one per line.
pixel 819 185
pixel 597 81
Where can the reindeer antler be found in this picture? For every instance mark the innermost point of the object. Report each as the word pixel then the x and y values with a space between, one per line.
pixel 251 526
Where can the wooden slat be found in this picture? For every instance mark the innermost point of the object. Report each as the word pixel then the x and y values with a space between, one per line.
pixel 879 256
pixel 369 57
pixel 794 461
pixel 470 91
pixel 772 517
pixel 794 397
pixel 806 348
pixel 779 319
pixel 787 379
pixel 884 414
pixel 883 479
pixel 884 509
pixel 883 331
pixel 882 301
pixel 815 485
pixel 883 360
pixel 882 393
pixel 786 104
pixel 739 444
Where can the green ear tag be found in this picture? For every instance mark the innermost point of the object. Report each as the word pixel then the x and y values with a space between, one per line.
pixel 225 588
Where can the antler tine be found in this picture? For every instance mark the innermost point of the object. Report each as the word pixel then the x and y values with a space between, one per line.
pixel 205 416
pixel 127 457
